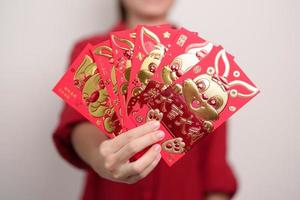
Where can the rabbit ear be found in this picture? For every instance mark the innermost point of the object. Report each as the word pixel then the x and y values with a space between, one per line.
pixel 203 45
pixel 222 54
pixel 84 67
pixel 122 43
pixel 234 93
pixel 200 50
pixel 148 45
pixel 105 51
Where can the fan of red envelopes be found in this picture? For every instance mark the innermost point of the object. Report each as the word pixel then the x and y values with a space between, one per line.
pixel 157 73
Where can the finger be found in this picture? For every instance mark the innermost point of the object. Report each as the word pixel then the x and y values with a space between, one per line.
pixel 146 172
pixel 134 168
pixel 143 162
pixel 121 140
pixel 138 144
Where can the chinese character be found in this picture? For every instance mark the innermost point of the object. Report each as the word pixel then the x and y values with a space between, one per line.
pixel 163 100
pixel 195 133
pixel 175 111
pixel 182 122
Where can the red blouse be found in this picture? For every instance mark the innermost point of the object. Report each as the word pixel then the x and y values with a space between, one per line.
pixel 204 169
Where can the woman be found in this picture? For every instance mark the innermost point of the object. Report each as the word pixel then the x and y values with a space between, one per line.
pixel 202 174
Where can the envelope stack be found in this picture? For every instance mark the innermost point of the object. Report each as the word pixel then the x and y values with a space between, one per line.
pixel 157 73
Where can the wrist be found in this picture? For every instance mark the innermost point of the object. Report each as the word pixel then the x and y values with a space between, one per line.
pixel 86 139
pixel 94 158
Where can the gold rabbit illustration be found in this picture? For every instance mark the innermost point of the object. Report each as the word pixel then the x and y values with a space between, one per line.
pixel 207 95
pixel 183 62
pixel 106 51
pixel 94 94
pixel 86 69
pixel 155 51
pixel 127 46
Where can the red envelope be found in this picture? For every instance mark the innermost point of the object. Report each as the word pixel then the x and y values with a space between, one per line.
pixel 157 73
pixel 194 105
pixel 122 44
pixel 185 52
pixel 83 89
pixel 151 45
pixel 103 54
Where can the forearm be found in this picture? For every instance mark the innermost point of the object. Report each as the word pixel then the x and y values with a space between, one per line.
pixel 86 139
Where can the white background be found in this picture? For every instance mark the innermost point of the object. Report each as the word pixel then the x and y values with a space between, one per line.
pixel 35 40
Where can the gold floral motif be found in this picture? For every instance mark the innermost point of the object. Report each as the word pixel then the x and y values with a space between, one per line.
pixel 166 34
pixel 109 125
pixel 136 91
pixel 140 56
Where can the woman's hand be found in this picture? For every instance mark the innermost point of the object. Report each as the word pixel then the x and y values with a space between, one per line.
pixel 110 158
pixel 112 161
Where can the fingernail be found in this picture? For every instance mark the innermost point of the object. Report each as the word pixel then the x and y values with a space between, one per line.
pixel 158 157
pixel 157 147
pixel 160 135
pixel 154 124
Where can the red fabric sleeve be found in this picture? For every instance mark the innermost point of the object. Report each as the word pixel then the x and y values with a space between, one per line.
pixel 62 136
pixel 218 176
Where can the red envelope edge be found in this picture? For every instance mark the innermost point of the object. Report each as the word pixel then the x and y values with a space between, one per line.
pixel 219 85
pixel 82 89
pixel 103 54
pixel 122 44
pixel 151 44
pixel 187 50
